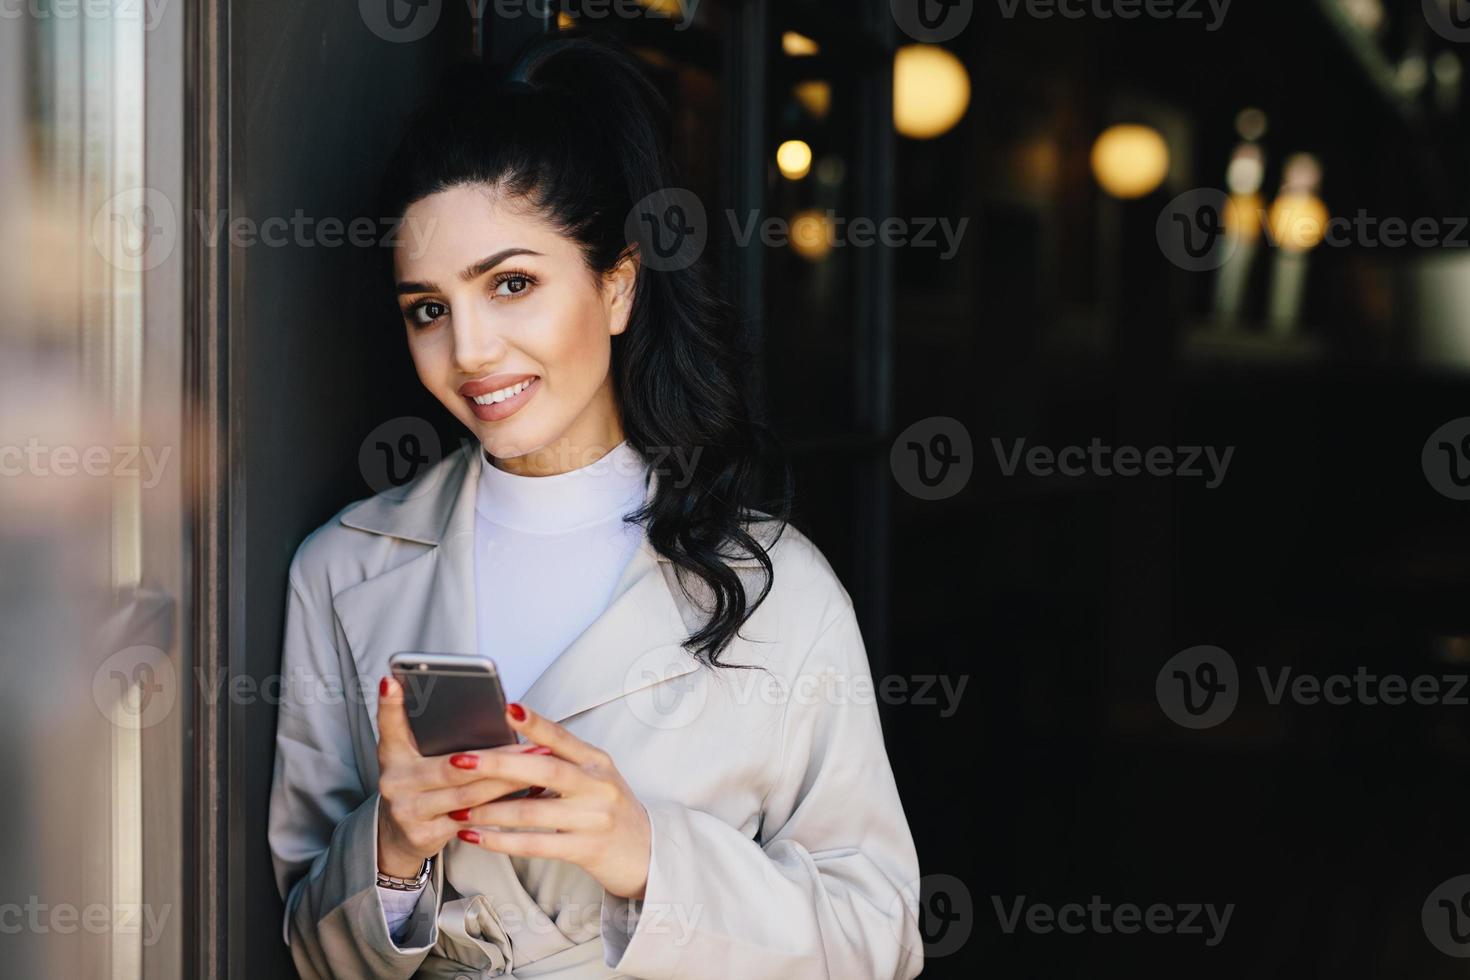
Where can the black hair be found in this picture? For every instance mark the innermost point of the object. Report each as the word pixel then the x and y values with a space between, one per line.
pixel 575 129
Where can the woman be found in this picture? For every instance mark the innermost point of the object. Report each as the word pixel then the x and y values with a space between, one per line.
pixel 707 797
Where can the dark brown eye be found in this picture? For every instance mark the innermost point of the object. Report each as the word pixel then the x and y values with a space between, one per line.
pixel 513 285
pixel 426 313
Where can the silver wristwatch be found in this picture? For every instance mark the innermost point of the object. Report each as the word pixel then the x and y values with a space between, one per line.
pixel 407 884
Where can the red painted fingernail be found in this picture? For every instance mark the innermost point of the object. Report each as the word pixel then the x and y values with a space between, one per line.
pixel 516 711
pixel 383 688
pixel 469 837
pixel 464 760
pixel 536 750
pixel 460 815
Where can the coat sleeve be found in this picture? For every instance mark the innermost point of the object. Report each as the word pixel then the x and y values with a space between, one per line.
pixel 826 890
pixel 324 821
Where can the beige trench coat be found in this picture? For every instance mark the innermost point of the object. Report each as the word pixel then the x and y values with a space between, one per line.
pixel 779 846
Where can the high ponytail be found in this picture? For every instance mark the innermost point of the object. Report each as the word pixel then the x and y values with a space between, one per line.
pixel 576 129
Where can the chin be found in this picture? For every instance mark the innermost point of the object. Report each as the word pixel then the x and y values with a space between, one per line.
pixel 506 440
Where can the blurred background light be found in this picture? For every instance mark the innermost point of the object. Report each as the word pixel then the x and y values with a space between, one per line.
pixel 1251 123
pixel 1298 221
pixel 811 235
pixel 931 91
pixel 799 45
pixel 794 157
pixel 1412 74
pixel 1366 15
pixel 831 171
pixel 815 97
pixel 1243 216
pixel 1298 216
pixel 1130 161
pixel 1247 170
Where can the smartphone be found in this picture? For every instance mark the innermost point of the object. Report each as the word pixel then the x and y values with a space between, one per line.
pixel 454 701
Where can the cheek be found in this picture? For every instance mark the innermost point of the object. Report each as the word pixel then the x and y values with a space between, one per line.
pixel 430 357
pixel 578 347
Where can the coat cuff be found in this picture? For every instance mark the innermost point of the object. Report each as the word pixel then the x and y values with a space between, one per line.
pixel 337 920
pixel 421 931
pixel 647 938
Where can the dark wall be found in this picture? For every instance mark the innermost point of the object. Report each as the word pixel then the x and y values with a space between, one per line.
pixel 319 99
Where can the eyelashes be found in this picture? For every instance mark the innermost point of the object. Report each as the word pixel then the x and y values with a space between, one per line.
pixel 505 278
pixel 509 285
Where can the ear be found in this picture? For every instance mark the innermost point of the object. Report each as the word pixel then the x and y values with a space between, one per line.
pixel 618 289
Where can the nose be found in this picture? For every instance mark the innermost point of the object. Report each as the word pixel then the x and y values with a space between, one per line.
pixel 478 345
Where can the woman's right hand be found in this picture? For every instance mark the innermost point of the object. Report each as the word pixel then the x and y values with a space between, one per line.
pixel 421 796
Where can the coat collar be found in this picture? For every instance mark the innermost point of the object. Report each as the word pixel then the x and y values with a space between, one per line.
pixel 427 604
pixel 440 504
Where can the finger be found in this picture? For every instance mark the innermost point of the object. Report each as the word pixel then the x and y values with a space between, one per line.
pixel 543 731
pixel 532 769
pixel 458 799
pixel 522 843
pixel 460 768
pixel 560 815
pixel 395 738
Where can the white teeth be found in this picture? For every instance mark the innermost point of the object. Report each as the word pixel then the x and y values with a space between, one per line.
pixel 502 394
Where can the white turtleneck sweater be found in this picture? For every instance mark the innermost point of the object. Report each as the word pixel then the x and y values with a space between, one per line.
pixel 548 552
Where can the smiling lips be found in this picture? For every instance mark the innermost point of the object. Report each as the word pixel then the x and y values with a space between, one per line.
pixel 499 396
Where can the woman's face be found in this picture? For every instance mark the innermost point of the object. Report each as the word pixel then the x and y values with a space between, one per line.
pixel 510 329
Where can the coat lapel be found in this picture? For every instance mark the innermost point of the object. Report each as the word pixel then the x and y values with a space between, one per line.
pixel 634 644
pixel 427 604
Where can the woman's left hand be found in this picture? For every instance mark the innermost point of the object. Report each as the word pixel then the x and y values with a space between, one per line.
pixel 595 822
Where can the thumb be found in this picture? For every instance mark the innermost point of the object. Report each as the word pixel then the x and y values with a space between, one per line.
pixel 394 735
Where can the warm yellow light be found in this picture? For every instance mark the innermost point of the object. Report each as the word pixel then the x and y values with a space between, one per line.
pixel 811 235
pixel 1130 161
pixel 795 159
pixel 565 22
pixel 931 91
pixel 799 45
pixel 815 97
pixel 1243 217
pixel 1298 221
pixel 668 8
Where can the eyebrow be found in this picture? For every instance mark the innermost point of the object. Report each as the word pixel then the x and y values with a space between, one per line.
pixel 469 273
